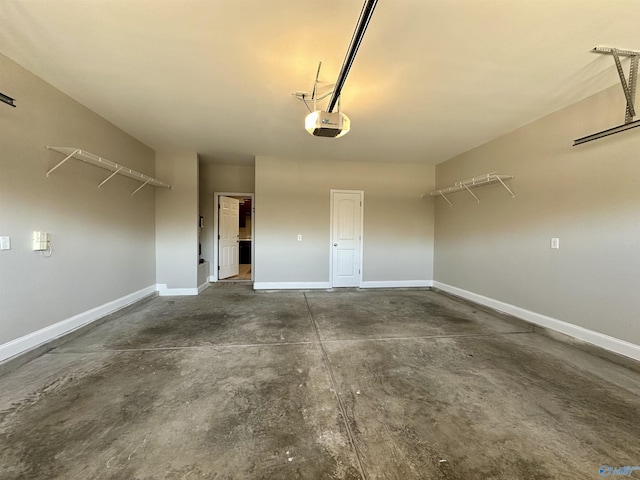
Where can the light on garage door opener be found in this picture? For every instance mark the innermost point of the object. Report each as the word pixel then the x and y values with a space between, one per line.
pixel 328 123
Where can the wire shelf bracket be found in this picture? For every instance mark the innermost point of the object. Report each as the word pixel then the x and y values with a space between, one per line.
pixel 468 184
pixel 116 169
pixel 628 88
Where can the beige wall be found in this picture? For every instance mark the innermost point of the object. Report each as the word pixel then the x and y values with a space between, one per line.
pixel 103 239
pixel 586 195
pixel 108 244
pixel 177 220
pixel 220 178
pixel 293 197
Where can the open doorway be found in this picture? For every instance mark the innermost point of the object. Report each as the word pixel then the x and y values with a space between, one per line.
pixel 233 237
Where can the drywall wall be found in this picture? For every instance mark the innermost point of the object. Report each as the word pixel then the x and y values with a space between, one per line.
pixel 220 178
pixel 293 197
pixel 177 223
pixel 587 196
pixel 103 239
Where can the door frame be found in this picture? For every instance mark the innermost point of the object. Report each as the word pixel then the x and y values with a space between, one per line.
pixel 361 266
pixel 216 209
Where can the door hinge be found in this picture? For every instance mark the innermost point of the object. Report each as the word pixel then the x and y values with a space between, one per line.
pixel 218 267
pixel 218 237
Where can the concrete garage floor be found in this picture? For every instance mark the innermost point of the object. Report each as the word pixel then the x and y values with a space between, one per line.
pixel 349 384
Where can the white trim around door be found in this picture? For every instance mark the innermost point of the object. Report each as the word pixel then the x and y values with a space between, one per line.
pixel 357 237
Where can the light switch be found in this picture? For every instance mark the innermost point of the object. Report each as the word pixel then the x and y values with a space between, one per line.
pixel 5 243
pixel 555 243
pixel 299 238
pixel 41 241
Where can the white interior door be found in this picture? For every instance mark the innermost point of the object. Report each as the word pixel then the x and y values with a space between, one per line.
pixel 346 239
pixel 228 233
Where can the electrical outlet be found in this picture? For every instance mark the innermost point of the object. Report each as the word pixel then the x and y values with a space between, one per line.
pixel 5 243
pixel 555 243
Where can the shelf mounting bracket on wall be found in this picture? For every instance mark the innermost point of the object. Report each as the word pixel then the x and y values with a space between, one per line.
pixel 628 88
pixel 468 184
pixel 116 169
pixel 110 177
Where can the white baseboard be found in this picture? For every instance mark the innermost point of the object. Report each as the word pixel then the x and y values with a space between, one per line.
pixel 601 340
pixel 327 285
pixel 291 285
pixel 203 287
pixel 397 284
pixel 163 291
pixel 46 334
pixel 213 278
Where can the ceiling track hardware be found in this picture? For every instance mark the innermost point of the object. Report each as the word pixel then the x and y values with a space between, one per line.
pixel 7 99
pixel 468 184
pixel 358 34
pixel 628 88
pixel 116 169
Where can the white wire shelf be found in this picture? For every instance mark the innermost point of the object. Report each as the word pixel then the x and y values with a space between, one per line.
pixel 116 169
pixel 468 184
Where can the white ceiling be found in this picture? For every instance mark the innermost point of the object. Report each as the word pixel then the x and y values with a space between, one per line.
pixel 432 79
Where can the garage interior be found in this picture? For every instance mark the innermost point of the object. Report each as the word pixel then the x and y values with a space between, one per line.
pixel 484 323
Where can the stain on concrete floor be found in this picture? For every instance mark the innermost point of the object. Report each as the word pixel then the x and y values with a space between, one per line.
pixel 233 384
pixel 155 414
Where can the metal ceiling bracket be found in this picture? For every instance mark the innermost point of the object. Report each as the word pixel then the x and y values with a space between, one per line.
pixel 633 80
pixel 628 87
pixel 622 53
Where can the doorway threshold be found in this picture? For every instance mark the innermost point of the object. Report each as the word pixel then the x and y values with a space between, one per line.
pixel 244 274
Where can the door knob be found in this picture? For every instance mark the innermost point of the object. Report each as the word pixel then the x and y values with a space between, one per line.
pixel 335 244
